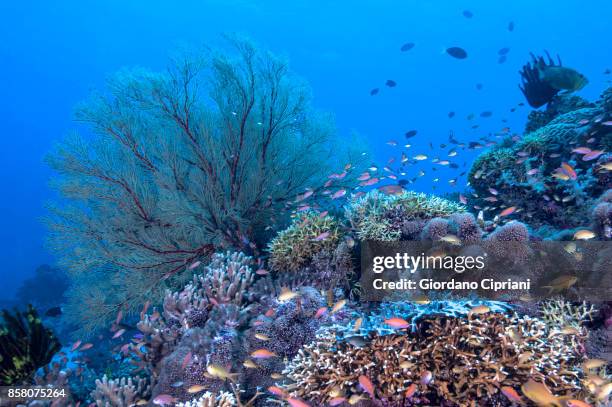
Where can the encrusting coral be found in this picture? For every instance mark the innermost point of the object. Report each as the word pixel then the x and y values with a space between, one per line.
pixel 462 360
pixel 310 233
pixel 377 216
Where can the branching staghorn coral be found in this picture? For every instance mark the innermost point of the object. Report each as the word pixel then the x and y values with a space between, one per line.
pixel 309 234
pixel 376 216
pixel 458 360
pixel 124 392
pixel 208 399
pixel 202 156
pixel 561 313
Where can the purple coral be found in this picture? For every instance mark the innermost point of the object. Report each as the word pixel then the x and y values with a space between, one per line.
pixel 602 216
pixel 510 242
pixel 465 227
pixel 435 229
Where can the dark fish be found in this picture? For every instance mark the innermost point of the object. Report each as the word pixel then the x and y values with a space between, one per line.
pixel 503 51
pixel 407 46
pixel 54 312
pixel 468 14
pixel 511 26
pixel 502 59
pixel 562 78
pixel 410 133
pixel 486 113
pixel 402 182
pixel 357 341
pixel 391 83
pixel 479 86
pixel 457 52
pixel 374 91
pixel 607 72
pixel 454 166
pixel 451 115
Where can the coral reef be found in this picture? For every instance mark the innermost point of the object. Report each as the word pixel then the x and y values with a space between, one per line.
pixel 560 104
pixel 461 360
pixel 308 235
pixel 25 346
pixel 376 216
pixel 219 319
pixel 553 172
pixel 124 392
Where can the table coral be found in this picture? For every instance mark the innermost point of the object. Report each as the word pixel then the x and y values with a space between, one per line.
pixel 376 216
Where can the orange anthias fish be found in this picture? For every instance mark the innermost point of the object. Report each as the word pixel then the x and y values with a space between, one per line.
pixel 338 306
pixel 86 346
pixel 367 385
pixel 369 182
pixel 75 345
pixel 508 211
pixel 321 237
pixel 569 170
pixel 287 295
pixel 118 333
pixel 263 354
pixel 336 401
pixel 320 312
pixel 357 325
pixel 339 194
pixel 512 395
pixel 539 394
pixel 410 391
pixel 277 391
pixel 397 323
pixel 186 360
pixel 592 155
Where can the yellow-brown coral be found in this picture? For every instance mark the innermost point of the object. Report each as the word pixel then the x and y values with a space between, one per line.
pixel 309 234
pixel 469 360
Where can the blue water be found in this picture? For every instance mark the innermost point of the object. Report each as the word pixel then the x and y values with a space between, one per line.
pixel 53 53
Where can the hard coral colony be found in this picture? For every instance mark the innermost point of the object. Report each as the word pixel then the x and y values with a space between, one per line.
pixel 221 267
